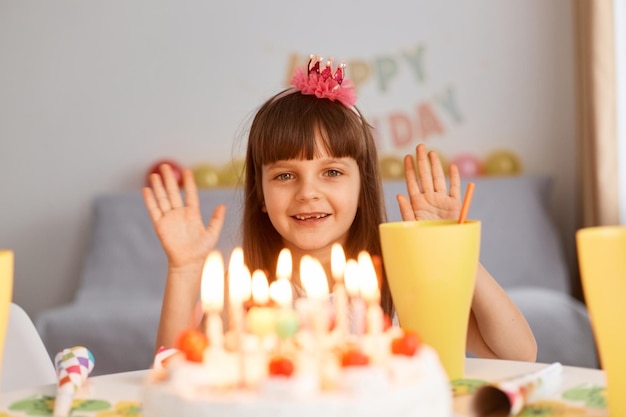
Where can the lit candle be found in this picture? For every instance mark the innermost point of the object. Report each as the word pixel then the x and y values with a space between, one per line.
pixel 260 319
pixel 338 266
pixel 369 281
pixel 315 304
pixel 280 292
pixel 284 267
pixel 315 311
pixel 353 288
pixel 286 319
pixel 371 295
pixel 313 278
pixel 239 290
pixel 212 296
pixel 260 288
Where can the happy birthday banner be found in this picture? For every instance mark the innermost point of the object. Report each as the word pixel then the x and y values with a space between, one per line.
pixel 426 118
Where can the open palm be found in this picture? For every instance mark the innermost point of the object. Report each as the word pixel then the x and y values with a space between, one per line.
pixel 179 225
pixel 428 191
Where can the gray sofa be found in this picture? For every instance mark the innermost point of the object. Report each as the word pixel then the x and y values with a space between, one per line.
pixel 116 309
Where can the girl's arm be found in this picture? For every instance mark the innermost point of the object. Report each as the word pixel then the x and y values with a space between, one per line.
pixel 186 242
pixel 496 327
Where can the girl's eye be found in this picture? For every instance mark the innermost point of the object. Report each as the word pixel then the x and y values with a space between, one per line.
pixel 284 176
pixel 333 173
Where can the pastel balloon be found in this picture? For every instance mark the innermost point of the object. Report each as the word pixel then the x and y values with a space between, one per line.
pixel 391 167
pixel 232 173
pixel 468 165
pixel 155 169
pixel 205 175
pixel 502 162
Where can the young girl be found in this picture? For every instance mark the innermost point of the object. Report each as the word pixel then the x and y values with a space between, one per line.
pixel 312 180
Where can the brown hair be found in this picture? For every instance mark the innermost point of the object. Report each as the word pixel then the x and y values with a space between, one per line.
pixel 284 128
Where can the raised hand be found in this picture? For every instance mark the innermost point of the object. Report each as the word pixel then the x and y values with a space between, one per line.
pixel 179 224
pixel 428 192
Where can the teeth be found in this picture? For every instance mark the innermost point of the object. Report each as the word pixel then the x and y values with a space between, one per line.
pixel 319 216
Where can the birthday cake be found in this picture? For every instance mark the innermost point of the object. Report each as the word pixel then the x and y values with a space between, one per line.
pixel 344 385
pixel 312 357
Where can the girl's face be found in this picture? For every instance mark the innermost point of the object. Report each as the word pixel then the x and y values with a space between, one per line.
pixel 312 203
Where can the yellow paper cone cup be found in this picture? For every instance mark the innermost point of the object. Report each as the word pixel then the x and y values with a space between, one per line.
pixel 602 262
pixel 6 294
pixel 431 268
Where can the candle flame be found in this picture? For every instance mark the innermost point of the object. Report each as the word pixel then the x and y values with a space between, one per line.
pixel 260 287
pixel 212 286
pixel 337 262
pixel 351 278
pixel 284 265
pixel 369 281
pixel 239 282
pixel 313 278
pixel 239 285
pixel 236 259
pixel 281 292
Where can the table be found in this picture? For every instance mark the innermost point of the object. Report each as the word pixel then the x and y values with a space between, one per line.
pixel 118 395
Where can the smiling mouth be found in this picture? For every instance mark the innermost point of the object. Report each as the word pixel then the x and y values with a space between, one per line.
pixel 310 217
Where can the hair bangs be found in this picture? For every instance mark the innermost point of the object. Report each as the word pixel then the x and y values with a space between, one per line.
pixel 294 135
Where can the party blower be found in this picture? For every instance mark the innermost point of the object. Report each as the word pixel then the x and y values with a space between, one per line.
pixel 509 397
pixel 73 366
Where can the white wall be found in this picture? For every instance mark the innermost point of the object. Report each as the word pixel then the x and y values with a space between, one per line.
pixel 92 93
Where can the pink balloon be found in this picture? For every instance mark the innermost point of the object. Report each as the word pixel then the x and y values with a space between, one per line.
pixel 469 165
pixel 176 167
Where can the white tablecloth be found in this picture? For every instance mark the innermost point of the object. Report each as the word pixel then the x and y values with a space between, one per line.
pixel 581 393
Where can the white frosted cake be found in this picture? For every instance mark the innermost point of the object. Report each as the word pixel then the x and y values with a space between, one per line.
pixel 399 385
pixel 318 356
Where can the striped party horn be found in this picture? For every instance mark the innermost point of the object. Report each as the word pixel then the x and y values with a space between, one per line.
pixel 73 366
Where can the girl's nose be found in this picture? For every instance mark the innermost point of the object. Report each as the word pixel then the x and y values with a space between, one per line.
pixel 308 190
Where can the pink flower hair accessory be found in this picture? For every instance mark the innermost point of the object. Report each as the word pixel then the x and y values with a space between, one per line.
pixel 325 83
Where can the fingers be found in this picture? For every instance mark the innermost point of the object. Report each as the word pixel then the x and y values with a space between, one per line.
pixel 160 195
pixel 431 177
pixel 438 176
pixel 171 186
pixel 412 182
pixel 423 169
pixel 455 182
pixel 191 191
pixel 406 209
pixel 217 220
pixel 150 201
pixel 164 190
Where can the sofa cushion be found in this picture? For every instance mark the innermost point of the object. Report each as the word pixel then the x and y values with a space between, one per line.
pixel 125 257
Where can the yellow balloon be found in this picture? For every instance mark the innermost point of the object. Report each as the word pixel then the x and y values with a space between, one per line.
pixel 232 173
pixel 205 175
pixel 391 167
pixel 502 162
